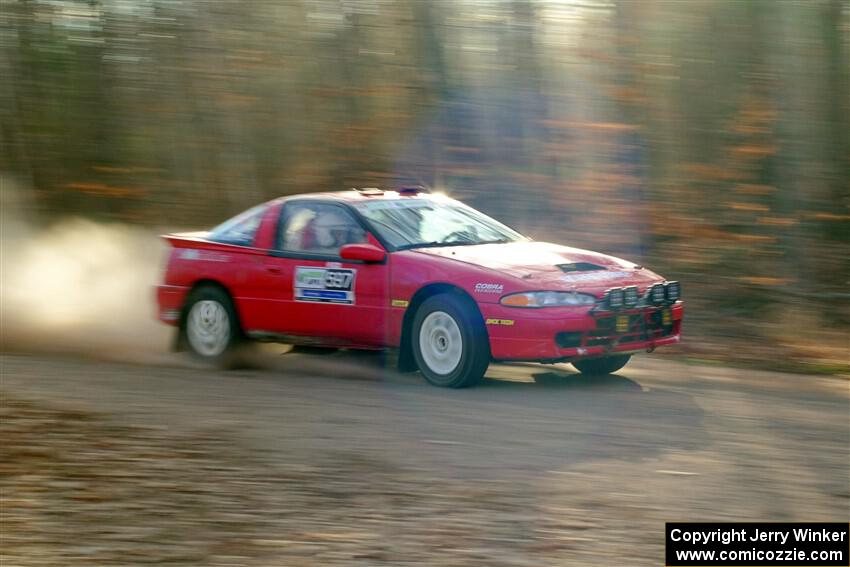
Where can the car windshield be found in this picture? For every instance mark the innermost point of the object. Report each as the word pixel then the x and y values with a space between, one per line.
pixel 423 222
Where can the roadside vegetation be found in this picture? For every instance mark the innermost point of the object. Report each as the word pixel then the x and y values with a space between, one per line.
pixel 707 140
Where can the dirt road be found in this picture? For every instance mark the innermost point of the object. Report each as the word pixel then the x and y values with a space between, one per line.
pixel 334 461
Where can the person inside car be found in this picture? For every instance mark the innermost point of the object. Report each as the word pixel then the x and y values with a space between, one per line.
pixel 329 230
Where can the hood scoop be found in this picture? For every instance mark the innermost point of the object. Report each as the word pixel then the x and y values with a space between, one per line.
pixel 574 267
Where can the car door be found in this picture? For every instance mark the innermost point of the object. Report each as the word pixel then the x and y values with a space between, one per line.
pixel 317 295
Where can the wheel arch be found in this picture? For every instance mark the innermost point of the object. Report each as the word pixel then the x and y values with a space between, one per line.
pixel 180 338
pixel 406 363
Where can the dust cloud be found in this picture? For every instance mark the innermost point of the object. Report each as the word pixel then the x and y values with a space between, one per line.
pixel 77 286
pixel 84 288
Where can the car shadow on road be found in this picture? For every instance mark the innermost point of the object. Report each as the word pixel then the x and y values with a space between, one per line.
pixel 526 418
pixel 519 416
pixel 379 366
pixel 565 381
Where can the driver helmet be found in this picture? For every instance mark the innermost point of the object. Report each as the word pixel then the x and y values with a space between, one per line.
pixel 333 229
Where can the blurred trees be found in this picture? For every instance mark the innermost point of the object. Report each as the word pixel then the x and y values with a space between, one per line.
pixel 709 139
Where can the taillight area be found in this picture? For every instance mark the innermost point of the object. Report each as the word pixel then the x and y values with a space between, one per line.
pixel 165 271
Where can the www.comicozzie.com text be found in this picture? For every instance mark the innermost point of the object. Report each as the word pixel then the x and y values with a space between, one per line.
pixel 743 534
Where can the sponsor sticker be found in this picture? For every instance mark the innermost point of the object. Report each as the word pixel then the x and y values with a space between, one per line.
pixel 504 322
pixel 489 288
pixel 324 285
pixel 205 255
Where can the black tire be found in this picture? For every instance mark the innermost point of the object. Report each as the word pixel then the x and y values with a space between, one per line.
pixel 474 344
pixel 605 365
pixel 226 356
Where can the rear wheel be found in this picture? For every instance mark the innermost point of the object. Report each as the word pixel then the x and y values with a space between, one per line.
pixel 605 365
pixel 450 345
pixel 211 327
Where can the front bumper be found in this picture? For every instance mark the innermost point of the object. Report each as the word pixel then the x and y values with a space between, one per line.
pixel 564 334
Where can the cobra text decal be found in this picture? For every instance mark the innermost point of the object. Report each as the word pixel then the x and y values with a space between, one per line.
pixel 489 288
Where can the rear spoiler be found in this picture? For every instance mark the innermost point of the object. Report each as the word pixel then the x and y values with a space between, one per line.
pixel 187 239
pixel 200 241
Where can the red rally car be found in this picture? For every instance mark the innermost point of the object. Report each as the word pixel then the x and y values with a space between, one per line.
pixel 449 287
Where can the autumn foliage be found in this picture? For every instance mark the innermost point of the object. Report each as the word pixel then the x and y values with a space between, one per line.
pixel 708 140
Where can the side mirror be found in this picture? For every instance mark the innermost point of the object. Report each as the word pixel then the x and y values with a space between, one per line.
pixel 362 252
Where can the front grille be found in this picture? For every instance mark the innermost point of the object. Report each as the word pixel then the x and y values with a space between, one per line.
pixel 608 325
pixel 635 326
pixel 568 340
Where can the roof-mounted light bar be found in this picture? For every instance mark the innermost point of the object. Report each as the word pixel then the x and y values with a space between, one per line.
pixel 658 294
pixel 411 190
pixel 369 191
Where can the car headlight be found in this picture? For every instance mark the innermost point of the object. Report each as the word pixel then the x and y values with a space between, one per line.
pixel 630 296
pixel 656 294
pixel 673 291
pixel 548 299
pixel 615 298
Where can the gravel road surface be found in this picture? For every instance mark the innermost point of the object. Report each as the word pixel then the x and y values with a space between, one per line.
pixel 332 460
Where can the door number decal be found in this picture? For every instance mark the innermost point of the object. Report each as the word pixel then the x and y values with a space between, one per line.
pixel 324 285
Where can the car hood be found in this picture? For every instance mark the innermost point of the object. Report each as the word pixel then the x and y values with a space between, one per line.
pixel 542 265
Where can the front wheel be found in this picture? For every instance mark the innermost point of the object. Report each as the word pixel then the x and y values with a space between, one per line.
pixel 605 365
pixel 211 328
pixel 450 345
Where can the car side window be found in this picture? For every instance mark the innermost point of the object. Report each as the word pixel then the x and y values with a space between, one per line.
pixel 318 228
pixel 241 229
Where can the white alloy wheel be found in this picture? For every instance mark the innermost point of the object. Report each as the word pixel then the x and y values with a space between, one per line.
pixel 440 342
pixel 208 328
